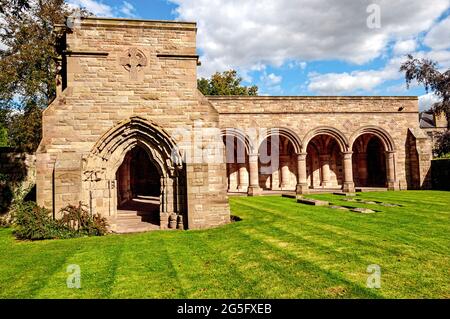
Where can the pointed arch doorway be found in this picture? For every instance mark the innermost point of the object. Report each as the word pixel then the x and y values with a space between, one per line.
pixel 139 188
pixel 139 178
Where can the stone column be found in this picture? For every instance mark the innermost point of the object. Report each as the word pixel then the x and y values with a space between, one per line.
pixel 232 180
pixel 243 180
pixel 348 185
pixel 363 172
pixel 284 164
pixel 254 189
pixel 325 163
pixel 390 166
pixel 302 181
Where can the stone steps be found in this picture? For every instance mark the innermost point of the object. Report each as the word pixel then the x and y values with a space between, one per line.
pixel 129 221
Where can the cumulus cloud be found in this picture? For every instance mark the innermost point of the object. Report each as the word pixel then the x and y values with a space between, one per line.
pixel 101 9
pixel 405 46
pixel 426 101
pixel 98 8
pixel 128 9
pixel 439 36
pixel 241 34
pixel 352 82
pixel 271 79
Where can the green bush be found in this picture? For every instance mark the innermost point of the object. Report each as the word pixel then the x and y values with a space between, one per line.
pixel 35 223
pixel 78 219
pixel 32 222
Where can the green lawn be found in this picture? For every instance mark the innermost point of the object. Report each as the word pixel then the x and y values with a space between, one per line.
pixel 280 249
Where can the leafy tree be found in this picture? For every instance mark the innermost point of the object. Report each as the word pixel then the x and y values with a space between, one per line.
pixel 3 136
pixel 425 72
pixel 442 148
pixel 28 64
pixel 225 83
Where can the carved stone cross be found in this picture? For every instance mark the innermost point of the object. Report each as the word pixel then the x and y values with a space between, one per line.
pixel 133 62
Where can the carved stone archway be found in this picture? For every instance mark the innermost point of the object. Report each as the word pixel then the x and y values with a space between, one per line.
pixel 100 167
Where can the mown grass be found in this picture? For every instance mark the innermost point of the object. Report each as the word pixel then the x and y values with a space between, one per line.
pixel 280 249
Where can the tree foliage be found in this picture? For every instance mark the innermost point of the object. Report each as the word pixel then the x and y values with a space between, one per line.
pixel 225 83
pixel 442 148
pixel 28 65
pixel 426 72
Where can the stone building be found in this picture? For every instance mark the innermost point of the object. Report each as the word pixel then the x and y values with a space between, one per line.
pixel 130 135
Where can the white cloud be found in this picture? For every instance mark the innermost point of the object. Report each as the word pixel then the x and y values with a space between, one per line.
pixel 271 79
pixel 439 36
pixel 240 34
pixel 402 47
pixel 347 83
pixel 297 64
pixel 426 101
pixel 96 7
pixel 128 9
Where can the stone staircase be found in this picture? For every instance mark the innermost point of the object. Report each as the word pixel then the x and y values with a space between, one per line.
pixel 128 221
pixel 137 216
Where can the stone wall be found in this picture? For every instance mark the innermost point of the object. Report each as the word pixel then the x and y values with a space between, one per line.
pixel 305 116
pixel 114 70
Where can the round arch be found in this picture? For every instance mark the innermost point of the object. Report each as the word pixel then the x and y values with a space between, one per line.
pixel 284 132
pixel 379 132
pixel 240 136
pixel 330 131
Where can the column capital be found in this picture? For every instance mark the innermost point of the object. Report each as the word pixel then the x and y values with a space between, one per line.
pixel 302 156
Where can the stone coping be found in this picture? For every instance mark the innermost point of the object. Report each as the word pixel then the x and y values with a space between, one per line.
pixel 238 97
pixel 121 22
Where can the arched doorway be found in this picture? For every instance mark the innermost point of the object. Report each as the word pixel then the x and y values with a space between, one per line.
pixel 139 187
pixel 369 161
pixel 136 163
pixel 236 149
pixel 324 162
pixel 277 163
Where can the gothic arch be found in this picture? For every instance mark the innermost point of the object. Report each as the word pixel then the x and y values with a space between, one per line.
pixel 325 130
pixel 109 153
pixel 382 134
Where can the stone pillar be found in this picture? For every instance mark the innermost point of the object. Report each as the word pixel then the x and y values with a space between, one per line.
pixel 390 166
pixel 275 182
pixel 325 163
pixel 302 181
pixel 363 172
pixel 232 178
pixel 254 189
pixel 243 179
pixel 284 164
pixel 348 185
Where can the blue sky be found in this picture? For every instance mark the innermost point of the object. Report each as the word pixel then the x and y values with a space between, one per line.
pixel 307 47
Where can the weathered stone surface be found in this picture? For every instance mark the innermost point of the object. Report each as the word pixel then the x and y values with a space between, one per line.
pixel 363 211
pixel 313 202
pixel 132 83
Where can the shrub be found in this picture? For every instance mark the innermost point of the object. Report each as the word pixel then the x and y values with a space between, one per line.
pixel 78 219
pixel 33 222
